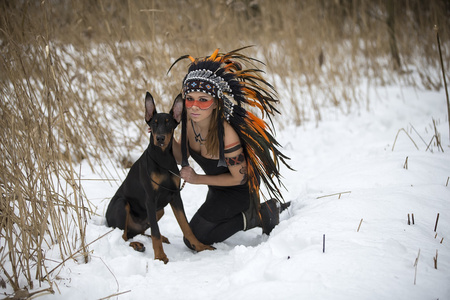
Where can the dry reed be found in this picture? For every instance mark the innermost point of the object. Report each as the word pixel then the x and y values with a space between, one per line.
pixel 73 75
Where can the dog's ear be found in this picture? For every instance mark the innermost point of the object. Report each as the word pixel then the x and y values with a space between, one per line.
pixel 177 108
pixel 150 109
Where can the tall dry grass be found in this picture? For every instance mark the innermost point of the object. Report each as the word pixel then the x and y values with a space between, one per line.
pixel 73 75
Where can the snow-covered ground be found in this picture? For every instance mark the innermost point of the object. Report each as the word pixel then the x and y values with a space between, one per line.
pixel 347 154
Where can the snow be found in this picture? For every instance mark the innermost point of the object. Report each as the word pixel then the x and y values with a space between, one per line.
pixel 347 178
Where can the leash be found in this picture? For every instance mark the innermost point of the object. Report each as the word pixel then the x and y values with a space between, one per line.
pixel 166 188
pixel 184 182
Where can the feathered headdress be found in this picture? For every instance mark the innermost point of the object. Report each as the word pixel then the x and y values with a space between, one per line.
pixel 221 75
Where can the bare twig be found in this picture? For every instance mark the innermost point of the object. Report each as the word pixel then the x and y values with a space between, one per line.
pixel 323 248
pixel 115 278
pixel 360 222
pixel 114 295
pixel 435 137
pixel 25 294
pixel 435 259
pixel 402 129
pixel 436 28
pixel 98 179
pixel 437 220
pixel 348 192
pixel 418 134
pixel 416 262
pixel 79 250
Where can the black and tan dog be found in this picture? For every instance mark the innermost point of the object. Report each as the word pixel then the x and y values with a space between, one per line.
pixel 152 182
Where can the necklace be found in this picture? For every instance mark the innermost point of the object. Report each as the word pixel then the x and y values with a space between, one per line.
pixel 198 136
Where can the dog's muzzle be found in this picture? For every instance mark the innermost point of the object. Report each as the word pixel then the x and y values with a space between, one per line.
pixel 160 139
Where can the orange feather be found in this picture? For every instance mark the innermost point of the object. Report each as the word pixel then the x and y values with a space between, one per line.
pixel 214 55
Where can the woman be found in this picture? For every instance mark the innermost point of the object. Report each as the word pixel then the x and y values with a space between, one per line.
pixel 233 147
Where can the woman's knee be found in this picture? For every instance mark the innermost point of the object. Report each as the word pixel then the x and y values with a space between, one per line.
pixel 201 229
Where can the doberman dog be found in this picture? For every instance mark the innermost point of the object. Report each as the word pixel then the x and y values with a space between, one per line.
pixel 153 182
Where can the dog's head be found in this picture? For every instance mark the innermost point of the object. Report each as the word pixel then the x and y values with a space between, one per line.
pixel 162 125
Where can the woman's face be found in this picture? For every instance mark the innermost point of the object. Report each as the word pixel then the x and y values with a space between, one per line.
pixel 199 105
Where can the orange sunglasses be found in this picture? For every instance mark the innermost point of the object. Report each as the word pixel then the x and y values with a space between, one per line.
pixel 201 103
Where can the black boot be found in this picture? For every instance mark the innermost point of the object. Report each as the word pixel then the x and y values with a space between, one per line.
pixel 284 206
pixel 251 217
pixel 270 214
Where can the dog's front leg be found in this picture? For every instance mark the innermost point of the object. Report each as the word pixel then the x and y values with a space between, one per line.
pixel 155 233
pixel 180 215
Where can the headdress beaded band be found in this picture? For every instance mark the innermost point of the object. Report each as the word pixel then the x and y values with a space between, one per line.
pixel 221 75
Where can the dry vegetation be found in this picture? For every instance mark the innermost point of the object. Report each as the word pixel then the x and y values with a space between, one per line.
pixel 73 76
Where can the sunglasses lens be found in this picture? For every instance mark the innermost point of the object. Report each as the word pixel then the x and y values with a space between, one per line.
pixel 189 103
pixel 199 103
pixel 205 104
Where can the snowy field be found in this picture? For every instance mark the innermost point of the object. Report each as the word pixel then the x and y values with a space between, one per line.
pixel 348 177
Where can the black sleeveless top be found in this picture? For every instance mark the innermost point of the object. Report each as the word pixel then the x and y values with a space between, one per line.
pixel 222 202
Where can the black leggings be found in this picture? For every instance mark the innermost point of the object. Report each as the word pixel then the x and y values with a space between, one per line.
pixel 209 233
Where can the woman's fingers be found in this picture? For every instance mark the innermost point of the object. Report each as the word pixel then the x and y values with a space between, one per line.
pixel 188 174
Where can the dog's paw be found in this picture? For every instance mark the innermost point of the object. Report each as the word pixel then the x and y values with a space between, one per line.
pixel 162 258
pixel 165 240
pixel 137 246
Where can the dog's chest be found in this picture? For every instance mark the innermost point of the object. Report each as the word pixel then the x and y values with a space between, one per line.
pixel 164 185
pixel 164 181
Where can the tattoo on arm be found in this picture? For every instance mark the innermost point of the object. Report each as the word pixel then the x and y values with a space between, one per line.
pixel 238 160
pixel 234 161
pixel 243 171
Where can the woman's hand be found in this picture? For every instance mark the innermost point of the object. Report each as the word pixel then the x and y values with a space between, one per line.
pixel 188 174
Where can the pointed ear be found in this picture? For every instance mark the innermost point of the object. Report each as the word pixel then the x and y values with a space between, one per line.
pixel 177 108
pixel 150 108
